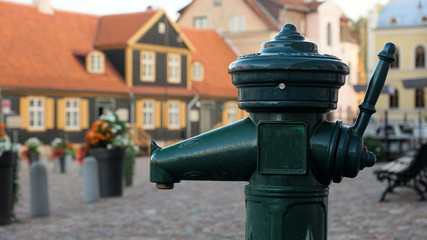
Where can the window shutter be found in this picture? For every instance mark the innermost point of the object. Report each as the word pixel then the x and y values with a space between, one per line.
pixel 84 114
pixel 23 112
pixel 49 113
pixel 157 114
pixel 183 114
pixel 139 105
pixel 225 113
pixel 165 114
pixel 60 113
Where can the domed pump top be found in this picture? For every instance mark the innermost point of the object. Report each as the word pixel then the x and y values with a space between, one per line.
pixel 289 40
pixel 288 74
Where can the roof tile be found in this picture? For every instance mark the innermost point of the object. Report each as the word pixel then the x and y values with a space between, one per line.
pixel 215 55
pixel 38 51
pixel 117 29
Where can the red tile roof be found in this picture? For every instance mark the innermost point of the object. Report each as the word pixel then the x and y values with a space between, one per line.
pixel 38 51
pixel 215 55
pixel 117 29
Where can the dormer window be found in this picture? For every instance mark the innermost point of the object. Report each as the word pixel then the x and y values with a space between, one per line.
pixel 95 62
pixel 393 22
pixel 197 71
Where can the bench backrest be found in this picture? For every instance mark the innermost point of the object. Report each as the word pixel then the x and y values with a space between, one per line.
pixel 419 162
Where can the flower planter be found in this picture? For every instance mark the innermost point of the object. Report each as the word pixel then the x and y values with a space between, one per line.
pixel 110 170
pixel 33 157
pixel 7 160
pixel 61 161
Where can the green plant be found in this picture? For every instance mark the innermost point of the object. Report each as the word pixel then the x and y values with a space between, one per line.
pixel 16 188
pixel 107 132
pixel 60 148
pixel 129 163
pixel 376 147
pixel 33 144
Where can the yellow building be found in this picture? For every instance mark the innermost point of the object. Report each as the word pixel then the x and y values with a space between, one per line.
pixel 403 22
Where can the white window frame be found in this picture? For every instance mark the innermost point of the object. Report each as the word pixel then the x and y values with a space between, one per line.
pixel 161 28
pixel 96 62
pixel 36 113
pixel 148 114
pixel 198 71
pixel 200 22
pixel 237 23
pixel 174 114
pixel 232 113
pixel 148 66
pixel 174 68
pixel 72 114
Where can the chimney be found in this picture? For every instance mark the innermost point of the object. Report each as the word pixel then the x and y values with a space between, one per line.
pixel 44 6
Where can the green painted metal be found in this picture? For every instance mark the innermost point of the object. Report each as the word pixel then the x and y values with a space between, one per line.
pixel 285 149
pixel 225 154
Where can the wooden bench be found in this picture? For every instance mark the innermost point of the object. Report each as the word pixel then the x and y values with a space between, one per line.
pixel 407 171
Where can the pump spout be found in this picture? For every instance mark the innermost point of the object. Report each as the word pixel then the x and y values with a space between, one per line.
pixel 228 153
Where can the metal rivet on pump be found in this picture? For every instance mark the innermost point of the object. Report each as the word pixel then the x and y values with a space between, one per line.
pixel 282 86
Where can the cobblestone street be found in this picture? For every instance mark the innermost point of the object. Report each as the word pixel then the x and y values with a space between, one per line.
pixel 205 211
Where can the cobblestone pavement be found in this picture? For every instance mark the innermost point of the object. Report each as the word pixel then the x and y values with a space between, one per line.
pixel 205 211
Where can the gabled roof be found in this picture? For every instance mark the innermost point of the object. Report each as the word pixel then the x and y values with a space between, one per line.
pixel 118 29
pixel 216 55
pixel 124 29
pixel 269 10
pixel 39 51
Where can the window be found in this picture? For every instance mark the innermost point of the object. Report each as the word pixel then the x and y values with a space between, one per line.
pixel 393 21
pixel 148 114
pixel 147 66
pixel 394 99
pixel 197 71
pixel 395 64
pixel 329 34
pixel 419 98
pixel 217 2
pixel 237 23
pixel 200 22
pixel 174 115
pixel 36 114
pixel 419 57
pixel 174 68
pixel 232 113
pixel 161 28
pixel 72 114
pixel 96 62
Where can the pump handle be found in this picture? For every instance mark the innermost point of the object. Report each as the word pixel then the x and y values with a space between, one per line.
pixel 373 91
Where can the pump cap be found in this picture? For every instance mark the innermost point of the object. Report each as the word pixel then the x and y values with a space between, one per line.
pixel 312 80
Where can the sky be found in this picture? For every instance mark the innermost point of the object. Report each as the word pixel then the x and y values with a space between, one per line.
pixel 352 8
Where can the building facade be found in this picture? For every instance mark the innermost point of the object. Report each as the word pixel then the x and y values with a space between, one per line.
pixel 249 23
pixel 405 24
pixel 60 71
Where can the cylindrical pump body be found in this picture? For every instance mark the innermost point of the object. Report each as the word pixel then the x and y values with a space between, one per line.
pixel 287 88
